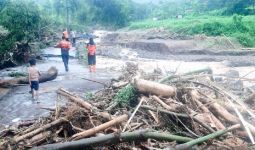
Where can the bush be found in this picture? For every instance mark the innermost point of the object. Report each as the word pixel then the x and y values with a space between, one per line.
pixel 214 28
pixel 245 39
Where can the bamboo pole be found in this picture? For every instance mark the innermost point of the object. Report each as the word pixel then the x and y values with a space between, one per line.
pixel 99 128
pixel 207 69
pixel 114 138
pixel 189 144
pixel 39 130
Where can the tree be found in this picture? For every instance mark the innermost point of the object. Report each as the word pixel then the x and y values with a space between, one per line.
pixel 21 19
pixel 112 12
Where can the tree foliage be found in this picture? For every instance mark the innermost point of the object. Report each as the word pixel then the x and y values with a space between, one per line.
pixel 19 21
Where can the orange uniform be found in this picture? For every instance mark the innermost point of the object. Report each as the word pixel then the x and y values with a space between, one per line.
pixel 64 44
pixel 91 49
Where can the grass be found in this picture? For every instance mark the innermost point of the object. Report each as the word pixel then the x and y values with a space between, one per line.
pixel 240 27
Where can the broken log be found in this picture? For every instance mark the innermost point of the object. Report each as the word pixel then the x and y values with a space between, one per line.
pixel 99 128
pixel 114 138
pixel 39 130
pixel 154 88
pixel 51 74
pixel 216 121
pixel 39 138
pixel 189 144
pixel 75 99
pixel 219 110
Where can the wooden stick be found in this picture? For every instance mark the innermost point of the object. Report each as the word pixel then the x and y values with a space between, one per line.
pixel 133 114
pixel 105 85
pixel 243 122
pixel 39 130
pixel 174 106
pixel 99 128
pixel 75 99
pixel 154 116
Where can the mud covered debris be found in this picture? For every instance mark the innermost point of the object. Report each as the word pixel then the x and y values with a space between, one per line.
pixel 133 113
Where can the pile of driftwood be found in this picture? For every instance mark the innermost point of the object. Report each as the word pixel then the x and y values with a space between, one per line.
pixel 177 112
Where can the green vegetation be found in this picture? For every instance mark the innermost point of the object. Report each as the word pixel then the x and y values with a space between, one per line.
pixel 31 21
pixel 89 95
pixel 126 95
pixel 240 27
pixel 233 18
pixel 17 74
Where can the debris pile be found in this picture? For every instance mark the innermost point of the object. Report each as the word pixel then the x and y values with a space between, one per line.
pixel 177 112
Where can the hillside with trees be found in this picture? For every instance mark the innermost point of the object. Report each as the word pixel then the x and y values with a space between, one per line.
pixel 28 21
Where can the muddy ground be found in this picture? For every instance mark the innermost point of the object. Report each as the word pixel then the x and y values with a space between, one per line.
pixel 160 54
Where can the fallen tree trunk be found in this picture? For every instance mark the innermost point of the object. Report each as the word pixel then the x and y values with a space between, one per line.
pixel 99 128
pixel 189 144
pixel 51 74
pixel 154 88
pixel 39 130
pixel 113 139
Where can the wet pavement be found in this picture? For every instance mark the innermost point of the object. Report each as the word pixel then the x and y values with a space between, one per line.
pixel 18 104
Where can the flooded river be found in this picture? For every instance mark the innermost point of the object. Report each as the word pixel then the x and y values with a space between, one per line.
pixel 18 104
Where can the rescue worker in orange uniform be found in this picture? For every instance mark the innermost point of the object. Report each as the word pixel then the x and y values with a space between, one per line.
pixel 65 46
pixel 91 48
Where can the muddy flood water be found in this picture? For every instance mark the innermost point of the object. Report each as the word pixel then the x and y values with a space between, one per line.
pixel 18 105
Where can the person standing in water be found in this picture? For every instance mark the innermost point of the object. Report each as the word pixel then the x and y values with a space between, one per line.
pixel 65 46
pixel 33 77
pixel 91 49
